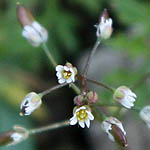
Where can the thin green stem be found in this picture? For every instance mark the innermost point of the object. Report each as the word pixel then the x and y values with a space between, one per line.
pixel 50 127
pixel 46 50
pixel 116 105
pixel 100 84
pixel 51 89
pixel 75 88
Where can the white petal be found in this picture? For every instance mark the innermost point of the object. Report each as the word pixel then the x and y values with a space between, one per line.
pixel 111 137
pixel 90 116
pixel 37 26
pixel 73 120
pixel 131 99
pixel 59 68
pixel 66 68
pixel 83 107
pixel 59 75
pixel 69 80
pixel 81 123
pixel 87 122
pixel 61 81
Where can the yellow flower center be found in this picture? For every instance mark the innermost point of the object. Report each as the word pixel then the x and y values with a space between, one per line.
pixel 66 74
pixel 82 115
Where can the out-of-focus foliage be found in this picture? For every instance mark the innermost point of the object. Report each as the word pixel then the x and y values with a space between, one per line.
pixel 68 23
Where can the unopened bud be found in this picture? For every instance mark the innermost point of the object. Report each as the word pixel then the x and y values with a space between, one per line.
pixel 14 136
pixel 104 28
pixel 119 135
pixel 79 100
pixel 31 102
pixel 32 30
pixel 124 96
pixel 92 97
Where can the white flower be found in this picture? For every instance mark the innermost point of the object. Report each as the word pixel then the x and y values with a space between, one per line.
pixel 31 102
pixel 115 131
pixel 82 115
pixel 104 28
pixel 124 96
pixel 35 33
pixel 66 73
pixel 145 115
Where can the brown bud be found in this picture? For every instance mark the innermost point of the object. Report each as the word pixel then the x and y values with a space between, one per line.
pixel 119 136
pixel 24 15
pixel 78 100
pixel 104 14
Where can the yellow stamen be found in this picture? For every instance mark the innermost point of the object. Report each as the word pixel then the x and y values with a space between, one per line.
pixel 82 115
pixel 66 74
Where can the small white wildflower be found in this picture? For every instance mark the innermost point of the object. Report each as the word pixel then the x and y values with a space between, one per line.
pixel 115 131
pixel 145 115
pixel 32 30
pixel 124 96
pixel 82 115
pixel 104 28
pixel 31 102
pixel 66 73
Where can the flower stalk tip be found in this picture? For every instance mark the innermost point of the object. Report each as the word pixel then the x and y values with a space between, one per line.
pixel 124 96
pixel 30 103
pixel 32 30
pixel 14 136
pixel 104 28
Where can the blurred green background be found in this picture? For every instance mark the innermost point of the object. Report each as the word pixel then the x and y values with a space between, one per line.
pixel 70 24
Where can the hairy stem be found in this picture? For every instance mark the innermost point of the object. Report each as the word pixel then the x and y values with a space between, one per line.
pixel 50 127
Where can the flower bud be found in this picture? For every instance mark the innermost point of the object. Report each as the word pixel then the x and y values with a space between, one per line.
pixel 104 28
pixel 31 102
pixel 79 100
pixel 14 136
pixel 92 97
pixel 113 127
pixel 124 96
pixel 32 30
pixel 145 115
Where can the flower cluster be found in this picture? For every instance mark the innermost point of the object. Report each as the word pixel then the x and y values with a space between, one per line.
pixel 86 100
